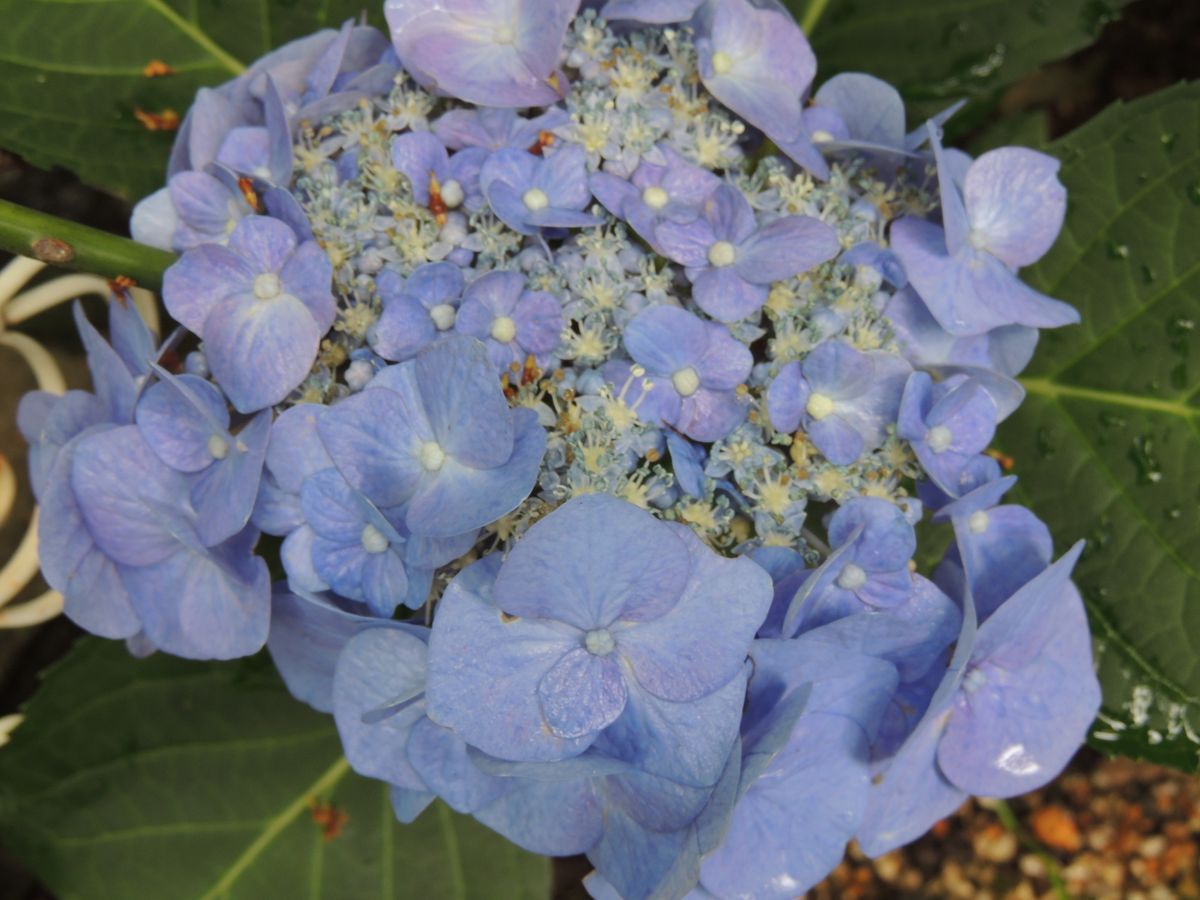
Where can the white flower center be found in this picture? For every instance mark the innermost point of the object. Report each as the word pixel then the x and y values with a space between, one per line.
pixel 655 197
pixel 267 286
pixel 535 200
pixel 722 253
pixel 505 34
pixel 218 447
pixel 819 406
pixel 443 316
pixel 452 195
pixel 433 457
pixel 938 438
pixel 373 540
pixel 979 521
pixel 504 329
pixel 722 62
pixel 599 642
pixel 977 239
pixel 851 578
pixel 973 681
pixel 686 381
pixel 821 136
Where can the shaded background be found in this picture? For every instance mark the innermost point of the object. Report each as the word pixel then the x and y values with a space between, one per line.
pixel 1110 829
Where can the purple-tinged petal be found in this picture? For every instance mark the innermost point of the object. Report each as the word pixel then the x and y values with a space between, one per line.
pixel 266 244
pixel 223 496
pixel 95 598
pixel 308 276
pixel 1015 204
pixel 260 350
pixel 665 339
pixel 727 296
pixel 1014 727
pixel 295 450
pixel 200 279
pixel 422 158
pixel 179 419
pixel 307 635
pixel 403 330
pixel 582 694
pixel 757 62
pixel 786 398
pixel 688 743
pixel 871 109
pixel 786 247
pixel 133 503
pixel 211 605
pixel 708 416
pixel 375 438
pixel 974 292
pixel 653 12
pixel 460 498
pixel 466 407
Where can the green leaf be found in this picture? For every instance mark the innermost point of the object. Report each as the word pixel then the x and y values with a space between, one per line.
pixel 1107 443
pixel 71 73
pixel 936 51
pixel 170 779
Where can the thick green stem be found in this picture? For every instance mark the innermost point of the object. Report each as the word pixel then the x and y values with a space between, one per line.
pixel 69 245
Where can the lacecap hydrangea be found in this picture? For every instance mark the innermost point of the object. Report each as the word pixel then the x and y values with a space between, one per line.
pixel 583 375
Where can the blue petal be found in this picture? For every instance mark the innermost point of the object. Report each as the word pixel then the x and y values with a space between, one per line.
pixel 260 350
pixel 224 496
pixel 378 669
pixel 204 605
pixel 134 505
pixel 483 678
pixel 594 560
pixel 459 499
pixel 582 694
pixel 307 634
pixel 375 439
pixel 688 743
pixel 466 407
pixel 178 416
pixel 701 643
pixel 440 758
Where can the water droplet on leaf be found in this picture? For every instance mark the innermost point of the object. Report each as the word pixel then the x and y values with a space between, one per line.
pixel 1142 454
pixel 1118 251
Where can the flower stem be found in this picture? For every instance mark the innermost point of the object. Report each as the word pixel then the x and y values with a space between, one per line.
pixel 59 242
pixel 812 15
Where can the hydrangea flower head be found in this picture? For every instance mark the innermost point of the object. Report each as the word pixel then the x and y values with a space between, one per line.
pixel 595 435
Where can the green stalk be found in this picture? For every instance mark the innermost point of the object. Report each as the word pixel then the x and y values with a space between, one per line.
pixel 812 15
pixel 69 245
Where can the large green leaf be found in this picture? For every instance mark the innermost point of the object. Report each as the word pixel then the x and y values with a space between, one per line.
pixel 169 779
pixel 72 73
pixel 936 51
pixel 1107 443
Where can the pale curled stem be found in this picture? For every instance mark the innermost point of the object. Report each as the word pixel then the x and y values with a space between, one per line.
pixel 23 566
pixel 7 726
